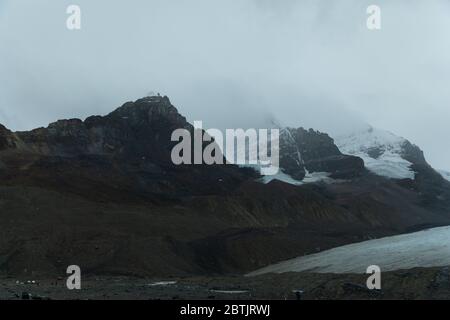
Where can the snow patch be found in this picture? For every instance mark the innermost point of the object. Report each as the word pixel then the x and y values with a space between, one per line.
pixel 162 283
pixel 230 291
pixel 281 177
pixel 380 150
pixel 312 177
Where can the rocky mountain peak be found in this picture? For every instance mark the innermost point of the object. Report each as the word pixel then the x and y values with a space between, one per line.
pixel 413 153
pixel 303 151
pixel 383 152
pixel 131 145
pixel 136 129
pixel 147 110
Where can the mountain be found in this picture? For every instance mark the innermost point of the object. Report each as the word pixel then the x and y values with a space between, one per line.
pixel 383 152
pixel 313 156
pixel 129 148
pixel 391 156
pixel 103 193
pixel 309 156
pixel 307 151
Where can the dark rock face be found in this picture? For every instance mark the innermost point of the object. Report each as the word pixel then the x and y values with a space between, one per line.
pixel 6 139
pixel 375 153
pixel 131 145
pixel 137 129
pixel 434 189
pixel 413 153
pixel 311 150
pixel 340 166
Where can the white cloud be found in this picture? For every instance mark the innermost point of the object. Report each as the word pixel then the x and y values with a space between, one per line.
pixel 311 63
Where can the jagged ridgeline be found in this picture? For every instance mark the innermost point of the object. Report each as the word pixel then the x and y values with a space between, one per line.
pixel 104 194
pixel 131 145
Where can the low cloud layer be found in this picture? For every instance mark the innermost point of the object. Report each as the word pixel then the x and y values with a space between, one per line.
pixel 234 63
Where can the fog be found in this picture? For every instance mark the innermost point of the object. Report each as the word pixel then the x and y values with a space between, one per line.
pixel 234 64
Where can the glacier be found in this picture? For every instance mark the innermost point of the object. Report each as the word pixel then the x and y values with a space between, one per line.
pixel 388 161
pixel 428 248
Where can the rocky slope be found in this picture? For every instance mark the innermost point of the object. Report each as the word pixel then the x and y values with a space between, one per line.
pixel 394 157
pixel 103 193
pixel 306 151
pixel 127 152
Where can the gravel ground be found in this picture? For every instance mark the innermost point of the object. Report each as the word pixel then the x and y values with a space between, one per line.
pixel 421 283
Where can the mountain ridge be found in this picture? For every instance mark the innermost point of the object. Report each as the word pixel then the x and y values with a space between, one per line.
pixel 102 193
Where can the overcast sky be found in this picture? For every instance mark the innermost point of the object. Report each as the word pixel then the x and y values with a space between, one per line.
pixel 233 63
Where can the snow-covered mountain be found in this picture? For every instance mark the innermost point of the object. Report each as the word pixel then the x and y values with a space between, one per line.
pixel 308 155
pixel 311 156
pixel 383 152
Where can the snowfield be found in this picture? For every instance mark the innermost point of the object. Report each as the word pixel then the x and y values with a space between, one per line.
pixel 429 248
pixel 388 162
pixel 310 177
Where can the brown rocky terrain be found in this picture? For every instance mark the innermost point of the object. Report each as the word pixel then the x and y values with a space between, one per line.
pixel 103 194
pixel 414 284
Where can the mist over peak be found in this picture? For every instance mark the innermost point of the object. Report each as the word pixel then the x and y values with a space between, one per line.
pixel 309 63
